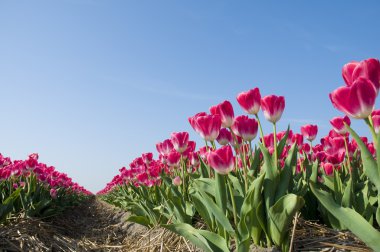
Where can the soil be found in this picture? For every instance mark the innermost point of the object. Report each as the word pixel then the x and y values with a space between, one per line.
pixel 92 226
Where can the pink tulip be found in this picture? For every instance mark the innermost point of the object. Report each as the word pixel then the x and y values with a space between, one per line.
pixel 222 160
pixel 273 106
pixel 147 157
pixel 192 120
pixel 208 126
pixel 368 69
pixel 347 72
pixel 165 147
pixel 297 138
pixel 357 100
pixel 173 158
pixel 376 123
pixel 177 181
pixel 250 101
pixel 179 141
pixel 309 131
pixel 329 168
pixel 224 137
pixel 245 127
pixel 226 112
pixel 53 193
pixel 338 124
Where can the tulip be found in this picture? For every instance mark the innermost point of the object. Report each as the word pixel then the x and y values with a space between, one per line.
pixel 147 157
pixel 357 100
pixel 224 137
pixel 273 106
pixel 329 168
pixel 177 181
pixel 53 193
pixel 226 112
pixel 297 138
pixel 165 147
pixel 309 131
pixel 368 69
pixel 192 120
pixel 376 123
pixel 347 72
pixel 180 140
pixel 208 126
pixel 222 160
pixel 338 124
pixel 245 127
pixel 250 101
pixel 173 158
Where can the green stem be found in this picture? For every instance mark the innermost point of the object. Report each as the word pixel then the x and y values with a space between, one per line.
pixel 347 156
pixel 233 201
pixel 275 145
pixel 184 173
pixel 261 129
pixel 368 121
pixel 245 170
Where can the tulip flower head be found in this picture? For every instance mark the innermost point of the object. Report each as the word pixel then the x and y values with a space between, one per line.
pixel 245 127
pixel 180 140
pixel 222 160
pixel 273 106
pixel 368 69
pixel 208 126
pixel 309 131
pixel 357 100
pixel 250 101
pixel 226 112
pixel 177 181
pixel 224 137
pixel 53 193
pixel 338 124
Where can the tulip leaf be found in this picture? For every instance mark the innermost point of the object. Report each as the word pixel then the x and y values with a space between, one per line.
pixel 349 218
pixel 286 173
pixel 204 168
pixel 271 178
pixel 204 211
pixel 281 216
pixel 205 240
pixel 142 220
pixel 206 185
pixel 282 143
pixel 236 184
pixel 370 167
pixel 218 212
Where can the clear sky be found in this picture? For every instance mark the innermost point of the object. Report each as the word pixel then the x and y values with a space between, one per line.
pixel 90 85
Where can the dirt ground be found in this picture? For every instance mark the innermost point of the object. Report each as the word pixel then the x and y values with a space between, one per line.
pixel 93 226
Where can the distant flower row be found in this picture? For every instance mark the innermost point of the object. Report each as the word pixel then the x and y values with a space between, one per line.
pixel 32 188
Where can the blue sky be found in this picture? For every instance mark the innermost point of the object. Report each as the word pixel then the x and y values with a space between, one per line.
pixel 90 85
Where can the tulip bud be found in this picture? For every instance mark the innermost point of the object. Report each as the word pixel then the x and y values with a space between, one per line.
pixel 177 181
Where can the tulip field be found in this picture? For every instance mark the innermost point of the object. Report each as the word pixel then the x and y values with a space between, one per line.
pixel 33 189
pixel 246 186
